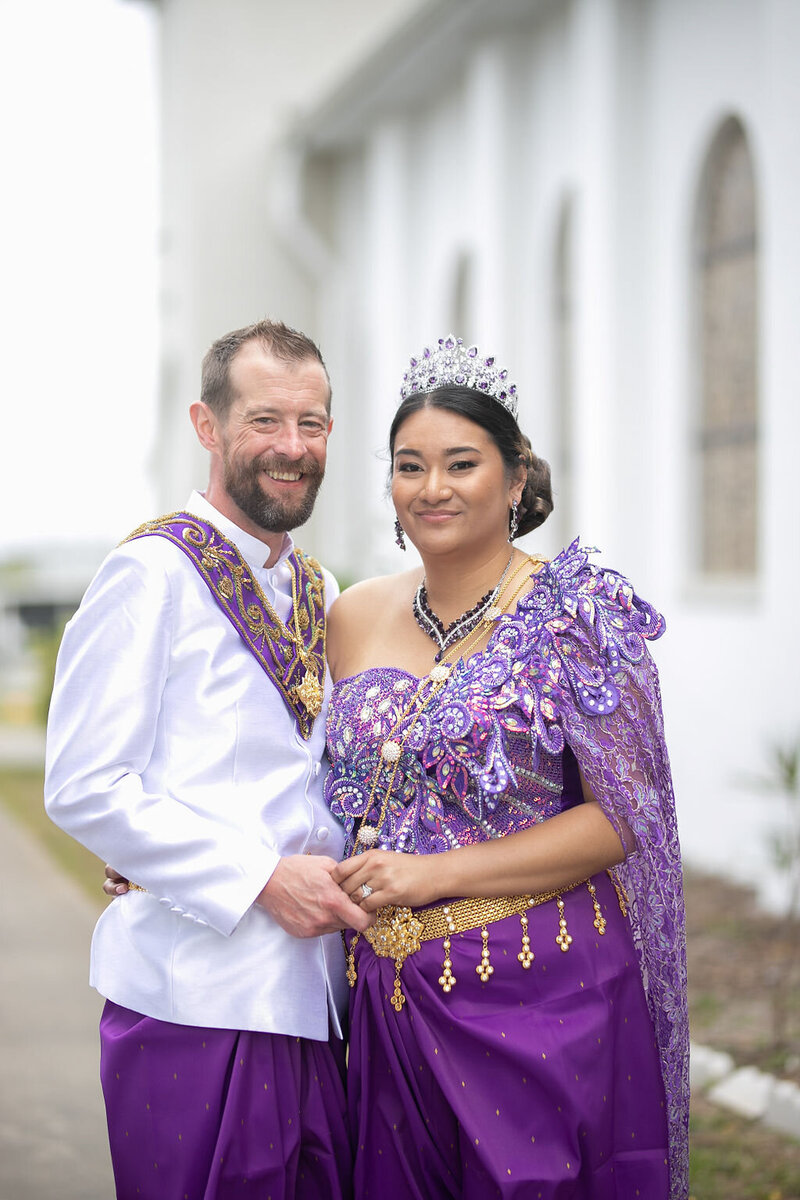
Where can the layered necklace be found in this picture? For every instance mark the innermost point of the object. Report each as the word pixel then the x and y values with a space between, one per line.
pixel 429 623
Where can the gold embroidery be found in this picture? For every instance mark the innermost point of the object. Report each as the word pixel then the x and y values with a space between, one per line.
pixel 268 638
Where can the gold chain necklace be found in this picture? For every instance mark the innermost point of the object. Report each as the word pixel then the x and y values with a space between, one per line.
pixel 428 687
pixel 311 691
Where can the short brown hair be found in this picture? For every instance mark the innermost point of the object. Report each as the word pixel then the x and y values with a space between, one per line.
pixel 275 338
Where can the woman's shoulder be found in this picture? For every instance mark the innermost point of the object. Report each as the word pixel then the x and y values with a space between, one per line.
pixel 371 596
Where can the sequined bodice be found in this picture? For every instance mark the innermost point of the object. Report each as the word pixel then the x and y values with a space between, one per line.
pixel 435 801
pixel 483 755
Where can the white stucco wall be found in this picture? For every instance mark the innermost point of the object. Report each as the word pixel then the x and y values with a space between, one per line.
pixel 614 103
pixel 465 136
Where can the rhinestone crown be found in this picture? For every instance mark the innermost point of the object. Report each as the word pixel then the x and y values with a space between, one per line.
pixel 451 362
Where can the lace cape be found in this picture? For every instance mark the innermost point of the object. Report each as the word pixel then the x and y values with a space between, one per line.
pixel 583 630
pixel 572 665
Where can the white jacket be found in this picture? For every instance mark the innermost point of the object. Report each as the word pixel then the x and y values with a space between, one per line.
pixel 171 755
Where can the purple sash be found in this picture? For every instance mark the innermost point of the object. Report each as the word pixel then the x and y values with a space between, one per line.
pixel 293 656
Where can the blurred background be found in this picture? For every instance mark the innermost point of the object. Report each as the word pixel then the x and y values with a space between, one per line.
pixel 603 193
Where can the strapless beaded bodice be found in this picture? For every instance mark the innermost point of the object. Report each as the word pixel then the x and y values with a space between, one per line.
pixel 484 753
pixel 435 798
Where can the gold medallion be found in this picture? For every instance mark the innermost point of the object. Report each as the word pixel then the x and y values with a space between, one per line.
pixel 310 694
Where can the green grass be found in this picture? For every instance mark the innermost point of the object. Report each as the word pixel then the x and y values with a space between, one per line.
pixel 735 1159
pixel 21 792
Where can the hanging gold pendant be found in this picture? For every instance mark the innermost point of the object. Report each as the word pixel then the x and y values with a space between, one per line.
pixel 310 694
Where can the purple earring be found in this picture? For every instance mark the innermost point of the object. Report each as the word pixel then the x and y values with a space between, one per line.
pixel 398 534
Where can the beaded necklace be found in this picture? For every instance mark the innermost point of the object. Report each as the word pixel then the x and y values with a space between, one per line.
pixel 430 624
pixel 428 687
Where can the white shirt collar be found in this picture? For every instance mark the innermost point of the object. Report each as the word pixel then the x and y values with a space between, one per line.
pixel 253 550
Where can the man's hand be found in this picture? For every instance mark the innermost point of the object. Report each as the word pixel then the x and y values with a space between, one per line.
pixel 115 884
pixel 304 900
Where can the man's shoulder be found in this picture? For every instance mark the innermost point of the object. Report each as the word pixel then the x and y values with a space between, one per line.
pixel 142 555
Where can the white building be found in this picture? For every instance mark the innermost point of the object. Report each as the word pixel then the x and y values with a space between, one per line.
pixel 603 192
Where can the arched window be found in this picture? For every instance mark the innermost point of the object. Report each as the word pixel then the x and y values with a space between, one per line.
pixel 563 378
pixel 726 282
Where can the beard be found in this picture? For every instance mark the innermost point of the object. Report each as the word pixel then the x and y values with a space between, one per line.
pixel 243 485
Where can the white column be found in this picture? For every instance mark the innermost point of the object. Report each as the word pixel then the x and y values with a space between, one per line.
pixel 486 174
pixel 594 66
pixel 383 352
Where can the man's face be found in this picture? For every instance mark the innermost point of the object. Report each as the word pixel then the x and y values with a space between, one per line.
pixel 274 438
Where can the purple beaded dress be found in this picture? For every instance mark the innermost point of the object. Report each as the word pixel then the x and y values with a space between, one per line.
pixel 568 1077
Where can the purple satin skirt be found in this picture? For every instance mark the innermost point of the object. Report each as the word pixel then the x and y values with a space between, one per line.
pixel 539 1084
pixel 214 1114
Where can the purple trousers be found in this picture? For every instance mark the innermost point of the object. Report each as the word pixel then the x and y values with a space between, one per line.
pixel 539 1084
pixel 214 1114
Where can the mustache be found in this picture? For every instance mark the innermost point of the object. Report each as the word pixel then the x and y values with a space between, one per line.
pixel 307 465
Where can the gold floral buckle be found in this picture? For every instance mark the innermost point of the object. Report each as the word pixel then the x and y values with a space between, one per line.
pixel 395 934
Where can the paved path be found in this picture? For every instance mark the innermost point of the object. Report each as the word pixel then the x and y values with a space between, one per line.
pixel 52 1124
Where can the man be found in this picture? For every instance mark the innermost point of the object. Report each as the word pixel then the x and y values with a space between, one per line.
pixel 185 742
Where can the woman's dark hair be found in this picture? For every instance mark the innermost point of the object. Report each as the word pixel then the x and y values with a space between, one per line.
pixel 515 449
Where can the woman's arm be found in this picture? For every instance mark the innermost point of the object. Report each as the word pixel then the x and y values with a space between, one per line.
pixel 553 854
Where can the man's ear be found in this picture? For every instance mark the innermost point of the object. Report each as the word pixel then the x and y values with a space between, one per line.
pixel 206 425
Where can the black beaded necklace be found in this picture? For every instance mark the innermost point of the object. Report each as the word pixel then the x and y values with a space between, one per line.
pixel 430 624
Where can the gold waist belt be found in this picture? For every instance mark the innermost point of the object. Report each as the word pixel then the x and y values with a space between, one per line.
pixel 399 931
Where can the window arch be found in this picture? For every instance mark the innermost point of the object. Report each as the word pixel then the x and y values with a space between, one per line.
pixel 726 269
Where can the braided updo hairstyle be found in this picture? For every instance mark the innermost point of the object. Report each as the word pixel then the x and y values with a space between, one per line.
pixel 515 448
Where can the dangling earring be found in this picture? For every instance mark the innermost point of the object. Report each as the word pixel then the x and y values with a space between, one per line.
pixel 398 534
pixel 513 524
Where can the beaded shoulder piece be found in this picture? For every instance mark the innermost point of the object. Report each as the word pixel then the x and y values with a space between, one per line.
pixel 567 641
pixel 293 656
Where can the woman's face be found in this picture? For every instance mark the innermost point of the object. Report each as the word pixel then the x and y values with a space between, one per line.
pixel 450 486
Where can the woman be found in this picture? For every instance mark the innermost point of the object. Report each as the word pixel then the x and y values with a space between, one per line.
pixel 502 713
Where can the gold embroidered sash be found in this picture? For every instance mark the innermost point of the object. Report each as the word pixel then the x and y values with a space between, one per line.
pixel 292 655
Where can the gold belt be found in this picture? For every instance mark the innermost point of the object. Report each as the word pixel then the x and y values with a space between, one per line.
pixel 400 931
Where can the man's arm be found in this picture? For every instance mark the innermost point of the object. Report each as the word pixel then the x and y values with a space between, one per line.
pixel 102 733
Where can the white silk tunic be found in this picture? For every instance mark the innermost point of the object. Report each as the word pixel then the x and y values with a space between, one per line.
pixel 171 754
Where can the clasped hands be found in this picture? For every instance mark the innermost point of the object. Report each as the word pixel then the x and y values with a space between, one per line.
pixel 309 895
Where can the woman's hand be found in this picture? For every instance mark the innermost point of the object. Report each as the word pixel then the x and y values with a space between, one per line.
pixel 115 884
pixel 402 879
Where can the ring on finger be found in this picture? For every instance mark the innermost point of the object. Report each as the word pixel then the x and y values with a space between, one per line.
pixel 366 890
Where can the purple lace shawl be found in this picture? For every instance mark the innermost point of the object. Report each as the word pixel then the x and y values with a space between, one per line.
pixel 571 665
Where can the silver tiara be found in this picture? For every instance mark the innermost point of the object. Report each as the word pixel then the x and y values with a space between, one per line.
pixel 451 362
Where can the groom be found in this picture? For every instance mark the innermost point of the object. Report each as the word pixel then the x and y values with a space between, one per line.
pixel 185 740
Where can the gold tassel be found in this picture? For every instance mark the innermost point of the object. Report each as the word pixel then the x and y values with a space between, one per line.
pixel 599 920
pixel 525 955
pixel 563 939
pixel 397 999
pixel 351 973
pixel 484 967
pixel 447 979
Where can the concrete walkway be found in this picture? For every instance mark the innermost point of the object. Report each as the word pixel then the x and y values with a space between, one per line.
pixel 52 1122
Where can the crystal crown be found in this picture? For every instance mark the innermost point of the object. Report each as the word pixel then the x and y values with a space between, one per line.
pixel 450 363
